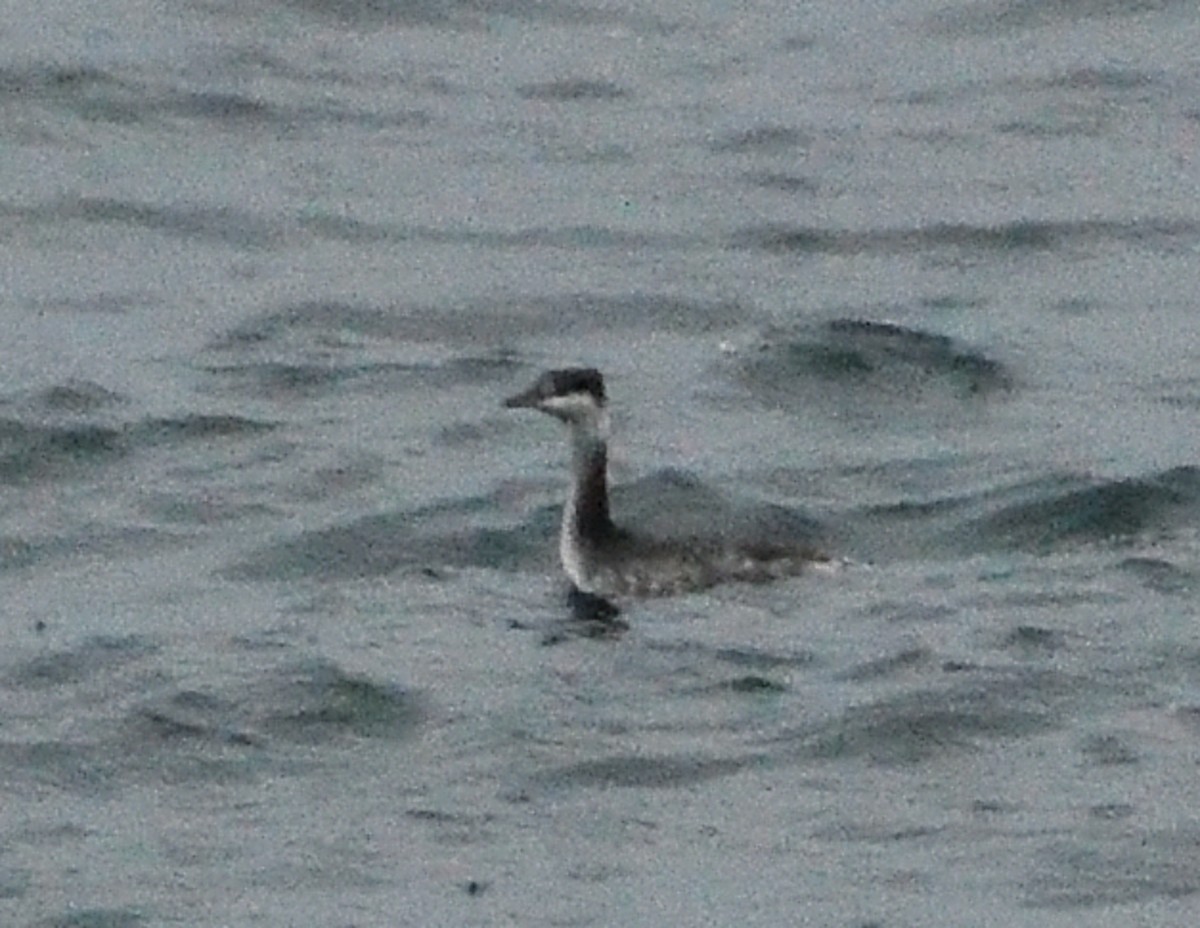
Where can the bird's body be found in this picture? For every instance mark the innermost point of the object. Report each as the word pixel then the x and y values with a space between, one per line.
pixel 602 559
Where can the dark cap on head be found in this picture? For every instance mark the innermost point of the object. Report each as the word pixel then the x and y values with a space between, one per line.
pixel 563 382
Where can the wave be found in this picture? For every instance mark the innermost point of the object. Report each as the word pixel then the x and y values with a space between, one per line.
pixel 861 365
pixel 32 452
pixel 1039 516
pixel 1105 511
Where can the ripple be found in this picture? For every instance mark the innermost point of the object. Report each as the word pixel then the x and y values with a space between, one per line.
pixel 33 452
pixel 572 90
pixel 1101 512
pixel 915 727
pixel 1021 235
pixel 640 772
pixel 840 361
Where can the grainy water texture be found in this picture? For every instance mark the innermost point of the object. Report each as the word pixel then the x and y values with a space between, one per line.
pixel 283 639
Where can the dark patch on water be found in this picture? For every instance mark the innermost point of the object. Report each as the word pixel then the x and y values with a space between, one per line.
pixel 196 736
pixel 890 666
pixel 757 662
pixel 194 427
pixel 30 453
pixel 914 727
pixel 1112 811
pixel 993 807
pixel 99 96
pixel 90 92
pixel 591 618
pixel 641 772
pixel 280 380
pixel 97 655
pixel 875 834
pixel 1081 121
pixel 222 224
pixel 753 684
pixel 1104 512
pixel 1024 235
pixel 330 321
pixel 456 828
pixel 1108 750
pixel 1111 78
pixel 190 735
pixel 206 508
pixel 1032 641
pixel 40 79
pixel 188 714
pixel 988 17
pixel 95 539
pixel 1122 867
pixel 1077 306
pixel 237 111
pixel 840 361
pixel 77 768
pixel 571 238
pixel 769 139
pixel 78 397
pixel 783 183
pixel 318 702
pixel 1161 576
pixel 220 107
pixel 572 90
pixel 952 302
pixel 758 659
pixel 474 14
pixel 91 304
pixel 94 918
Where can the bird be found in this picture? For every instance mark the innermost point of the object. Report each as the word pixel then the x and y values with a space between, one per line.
pixel 603 560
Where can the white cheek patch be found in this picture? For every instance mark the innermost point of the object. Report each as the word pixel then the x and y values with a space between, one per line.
pixel 572 405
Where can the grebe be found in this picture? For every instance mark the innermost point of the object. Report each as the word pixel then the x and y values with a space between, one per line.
pixel 603 560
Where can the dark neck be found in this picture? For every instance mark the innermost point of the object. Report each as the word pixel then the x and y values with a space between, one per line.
pixel 589 491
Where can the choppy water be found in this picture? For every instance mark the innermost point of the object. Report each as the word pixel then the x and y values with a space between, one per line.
pixel 283 639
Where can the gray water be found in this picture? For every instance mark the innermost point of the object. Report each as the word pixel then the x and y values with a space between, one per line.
pixel 283 638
